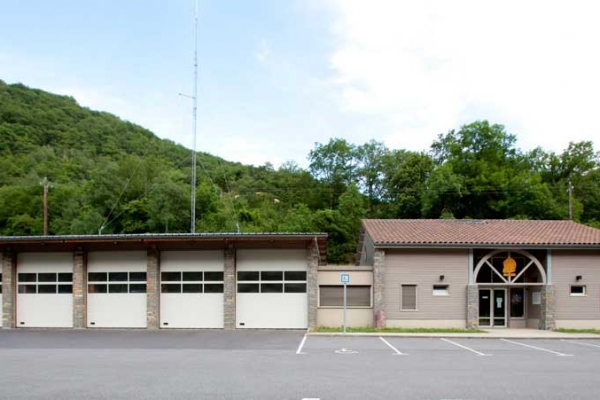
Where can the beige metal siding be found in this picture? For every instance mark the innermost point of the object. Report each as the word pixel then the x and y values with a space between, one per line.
pixel 566 265
pixel 423 268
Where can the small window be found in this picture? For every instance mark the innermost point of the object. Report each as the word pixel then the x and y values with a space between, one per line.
pixel 46 277
pixel 356 296
pixel 27 278
pixel 578 290
pixel 170 276
pixel 295 287
pixel 137 276
pixel 295 275
pixel 137 288
pixel 213 276
pixel 117 288
pixel 271 288
pixel 192 276
pixel 441 290
pixel 65 277
pixel 46 289
pixel 192 288
pixel 408 297
pixel 27 289
pixel 248 288
pixel 271 276
pixel 97 288
pixel 64 289
pixel 170 288
pixel 117 277
pixel 248 275
pixel 97 277
pixel 213 288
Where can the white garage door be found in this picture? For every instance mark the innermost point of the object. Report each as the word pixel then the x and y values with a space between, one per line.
pixel 191 289
pixel 45 290
pixel 271 289
pixel 117 289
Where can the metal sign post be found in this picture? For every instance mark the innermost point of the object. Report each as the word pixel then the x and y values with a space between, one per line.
pixel 345 278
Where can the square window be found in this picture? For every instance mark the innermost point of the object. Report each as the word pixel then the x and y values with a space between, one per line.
pixel 441 290
pixel 578 290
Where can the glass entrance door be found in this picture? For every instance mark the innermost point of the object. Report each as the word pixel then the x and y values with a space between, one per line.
pixel 499 307
pixel 492 307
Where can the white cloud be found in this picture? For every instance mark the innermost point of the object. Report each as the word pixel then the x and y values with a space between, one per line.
pixel 427 67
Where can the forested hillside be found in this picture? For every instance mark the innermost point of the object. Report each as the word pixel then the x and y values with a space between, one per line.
pixel 112 176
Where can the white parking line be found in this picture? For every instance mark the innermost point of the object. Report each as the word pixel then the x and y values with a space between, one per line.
pixel 299 351
pixel 398 353
pixel 465 347
pixel 579 343
pixel 538 348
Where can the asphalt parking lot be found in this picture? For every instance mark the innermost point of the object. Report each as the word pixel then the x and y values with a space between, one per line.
pixel 128 364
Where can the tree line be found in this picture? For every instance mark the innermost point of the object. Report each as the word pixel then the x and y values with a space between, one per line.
pixel 111 176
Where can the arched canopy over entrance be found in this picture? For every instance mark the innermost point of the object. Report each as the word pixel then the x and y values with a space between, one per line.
pixel 510 267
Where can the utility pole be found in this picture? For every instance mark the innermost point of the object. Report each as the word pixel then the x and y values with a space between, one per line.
pixel 46 185
pixel 570 190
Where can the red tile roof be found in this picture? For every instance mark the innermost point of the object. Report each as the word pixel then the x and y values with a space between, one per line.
pixel 447 232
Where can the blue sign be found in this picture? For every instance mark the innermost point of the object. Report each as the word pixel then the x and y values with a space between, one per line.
pixel 345 278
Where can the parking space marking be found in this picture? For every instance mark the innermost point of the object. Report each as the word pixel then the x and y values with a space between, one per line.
pixel 580 343
pixel 465 347
pixel 299 351
pixel 397 352
pixel 538 348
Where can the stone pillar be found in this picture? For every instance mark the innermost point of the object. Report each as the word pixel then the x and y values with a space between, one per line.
pixel 229 291
pixel 472 306
pixel 379 288
pixel 547 308
pixel 79 289
pixel 153 289
pixel 312 284
pixel 9 289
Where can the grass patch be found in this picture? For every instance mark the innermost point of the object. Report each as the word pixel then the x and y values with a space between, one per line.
pixel 368 329
pixel 563 330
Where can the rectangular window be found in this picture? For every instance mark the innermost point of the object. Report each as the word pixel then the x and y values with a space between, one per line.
pixel 248 276
pixel 27 289
pixel 295 287
pixel 137 277
pixel 408 297
pixel 213 276
pixel 517 302
pixel 441 290
pixel 97 288
pixel 0 283
pixel 248 288
pixel 64 289
pixel 27 277
pixel 213 288
pixel 117 288
pixel 356 296
pixel 192 276
pixel 117 277
pixel 46 289
pixel 170 276
pixel 192 288
pixel 65 277
pixel 170 288
pixel 137 288
pixel 271 288
pixel 578 290
pixel 295 275
pixel 271 276
pixel 46 277
pixel 97 277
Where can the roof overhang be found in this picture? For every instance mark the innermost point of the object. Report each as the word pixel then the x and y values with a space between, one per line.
pixel 488 246
pixel 174 241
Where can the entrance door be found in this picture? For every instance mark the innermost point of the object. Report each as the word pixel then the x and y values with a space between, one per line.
pixel 492 307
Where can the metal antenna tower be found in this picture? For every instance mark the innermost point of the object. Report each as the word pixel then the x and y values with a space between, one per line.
pixel 195 117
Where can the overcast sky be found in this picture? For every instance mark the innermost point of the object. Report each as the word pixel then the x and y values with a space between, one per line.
pixel 277 76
